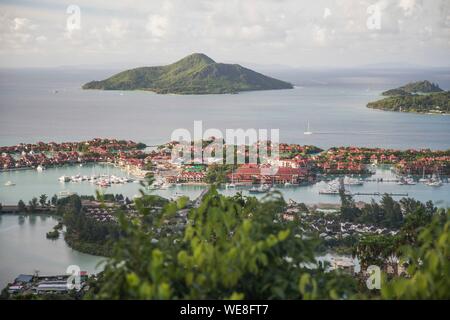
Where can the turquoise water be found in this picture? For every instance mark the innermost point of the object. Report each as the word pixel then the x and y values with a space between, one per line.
pixel 25 249
pixel 30 183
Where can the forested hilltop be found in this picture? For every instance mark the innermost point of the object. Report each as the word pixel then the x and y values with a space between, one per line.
pixel 420 97
pixel 194 74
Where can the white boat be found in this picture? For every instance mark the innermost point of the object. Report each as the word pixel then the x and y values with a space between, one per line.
pixel 435 183
pixel 348 181
pixel 423 179
pixel 9 184
pixel 308 131
pixel 64 179
pixel 231 185
pixel 40 168
pixel 261 189
pixel 333 188
pixel 407 181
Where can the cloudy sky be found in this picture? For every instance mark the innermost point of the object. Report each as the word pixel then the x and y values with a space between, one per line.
pixel 267 32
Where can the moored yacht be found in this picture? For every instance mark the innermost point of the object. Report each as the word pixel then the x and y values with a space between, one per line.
pixel 435 183
pixel 64 179
pixel 261 189
pixel 9 184
pixel 353 181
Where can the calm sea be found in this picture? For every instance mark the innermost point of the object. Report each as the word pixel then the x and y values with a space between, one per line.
pixel 48 105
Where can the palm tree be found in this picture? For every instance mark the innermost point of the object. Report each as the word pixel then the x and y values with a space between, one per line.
pixel 21 206
pixel 33 204
pixel 43 199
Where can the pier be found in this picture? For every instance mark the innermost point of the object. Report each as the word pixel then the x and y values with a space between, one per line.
pixel 379 194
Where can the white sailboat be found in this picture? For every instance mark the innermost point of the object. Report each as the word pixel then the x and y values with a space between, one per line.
pixel 231 185
pixel 308 131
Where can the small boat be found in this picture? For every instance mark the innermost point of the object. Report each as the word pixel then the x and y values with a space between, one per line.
pixel 333 188
pixel 261 189
pixel 230 186
pixel 64 179
pixel 40 168
pixel 308 131
pixel 348 181
pixel 436 183
pixel 407 181
pixel 9 184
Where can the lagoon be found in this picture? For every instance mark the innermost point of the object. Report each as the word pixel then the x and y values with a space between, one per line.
pixel 25 249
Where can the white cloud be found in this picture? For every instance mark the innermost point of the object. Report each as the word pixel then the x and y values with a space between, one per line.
pixel 261 31
pixel 157 25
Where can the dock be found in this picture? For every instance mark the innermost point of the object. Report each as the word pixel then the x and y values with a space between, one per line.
pixel 379 194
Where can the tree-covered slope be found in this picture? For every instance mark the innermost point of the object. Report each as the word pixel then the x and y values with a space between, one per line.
pixel 423 103
pixel 414 87
pixel 195 74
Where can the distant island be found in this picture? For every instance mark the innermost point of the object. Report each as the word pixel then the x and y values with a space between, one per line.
pixel 194 74
pixel 420 97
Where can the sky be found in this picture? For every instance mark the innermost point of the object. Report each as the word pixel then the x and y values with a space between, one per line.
pixel 294 33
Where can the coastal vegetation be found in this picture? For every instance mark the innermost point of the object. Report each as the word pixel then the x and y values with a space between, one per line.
pixel 438 103
pixel 420 97
pixel 161 249
pixel 53 235
pixel 194 74
pixel 414 87
pixel 204 262
pixel 83 233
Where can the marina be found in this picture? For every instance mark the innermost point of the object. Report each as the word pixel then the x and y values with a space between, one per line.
pixel 31 184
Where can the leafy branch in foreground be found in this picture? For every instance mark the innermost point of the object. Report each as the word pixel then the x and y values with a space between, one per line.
pixel 231 248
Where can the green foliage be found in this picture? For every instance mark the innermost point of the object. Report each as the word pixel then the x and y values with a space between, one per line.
pixel 438 102
pixel 429 265
pixel 43 200
pixel 375 250
pixel 195 74
pixel 217 173
pixel 21 206
pixel 414 87
pixel 231 248
pixel 349 211
pixel 388 213
pixel 32 204
pixel 53 235
pixel 83 233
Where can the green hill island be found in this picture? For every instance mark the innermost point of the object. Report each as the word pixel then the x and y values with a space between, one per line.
pixel 419 97
pixel 194 74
